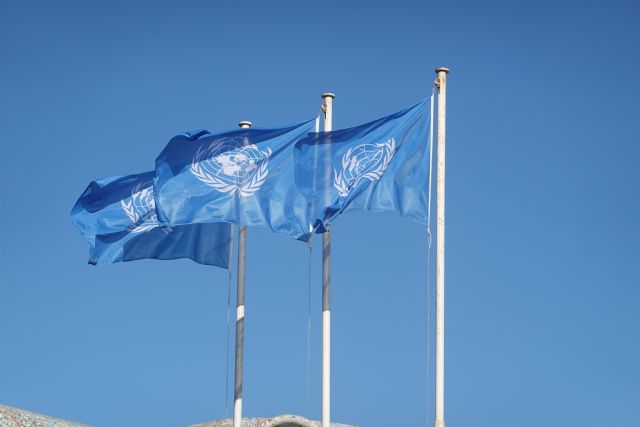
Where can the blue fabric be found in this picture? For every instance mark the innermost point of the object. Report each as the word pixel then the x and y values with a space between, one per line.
pixel 117 217
pixel 207 244
pixel 381 166
pixel 245 176
pixel 99 210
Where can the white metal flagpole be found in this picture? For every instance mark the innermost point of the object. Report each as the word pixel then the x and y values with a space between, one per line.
pixel 327 107
pixel 441 84
pixel 242 252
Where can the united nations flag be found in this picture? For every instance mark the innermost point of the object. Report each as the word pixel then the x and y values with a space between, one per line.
pixel 379 166
pixel 117 217
pixel 245 176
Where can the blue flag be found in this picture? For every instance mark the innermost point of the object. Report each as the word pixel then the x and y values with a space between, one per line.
pixel 245 176
pixel 108 205
pixel 381 166
pixel 117 217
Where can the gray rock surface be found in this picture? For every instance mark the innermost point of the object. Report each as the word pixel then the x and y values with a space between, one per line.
pixel 14 417
pixel 278 421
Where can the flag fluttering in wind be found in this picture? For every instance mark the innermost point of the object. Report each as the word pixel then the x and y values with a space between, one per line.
pixel 108 205
pixel 288 179
pixel 381 166
pixel 117 217
pixel 245 176
pixel 292 180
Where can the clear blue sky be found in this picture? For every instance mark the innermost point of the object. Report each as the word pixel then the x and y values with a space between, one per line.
pixel 543 237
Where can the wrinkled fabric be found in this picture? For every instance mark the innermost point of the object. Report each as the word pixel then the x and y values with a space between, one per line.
pixel 99 210
pixel 381 166
pixel 207 244
pixel 244 176
pixel 117 217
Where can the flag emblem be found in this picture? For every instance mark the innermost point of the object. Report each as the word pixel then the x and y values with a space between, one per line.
pixel 141 208
pixel 229 166
pixel 363 162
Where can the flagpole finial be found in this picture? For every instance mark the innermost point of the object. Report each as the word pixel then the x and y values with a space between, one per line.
pixel 245 124
pixel 445 69
pixel 328 95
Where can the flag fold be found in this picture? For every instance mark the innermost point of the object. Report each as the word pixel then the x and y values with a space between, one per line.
pixel 117 217
pixel 381 166
pixel 245 176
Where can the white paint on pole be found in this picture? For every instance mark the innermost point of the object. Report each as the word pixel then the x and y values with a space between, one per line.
pixel 242 252
pixel 326 290
pixel 237 412
pixel 326 368
pixel 441 83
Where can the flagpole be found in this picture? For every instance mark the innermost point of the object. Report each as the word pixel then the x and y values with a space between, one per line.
pixel 327 107
pixel 242 259
pixel 441 84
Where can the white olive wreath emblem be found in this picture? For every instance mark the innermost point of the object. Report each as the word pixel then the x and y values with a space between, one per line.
pixel 366 161
pixel 141 209
pixel 243 169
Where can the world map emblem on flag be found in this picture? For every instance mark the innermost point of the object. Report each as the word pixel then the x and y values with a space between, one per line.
pixel 363 162
pixel 141 208
pixel 229 165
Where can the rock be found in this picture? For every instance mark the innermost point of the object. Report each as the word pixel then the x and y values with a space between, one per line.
pixel 14 417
